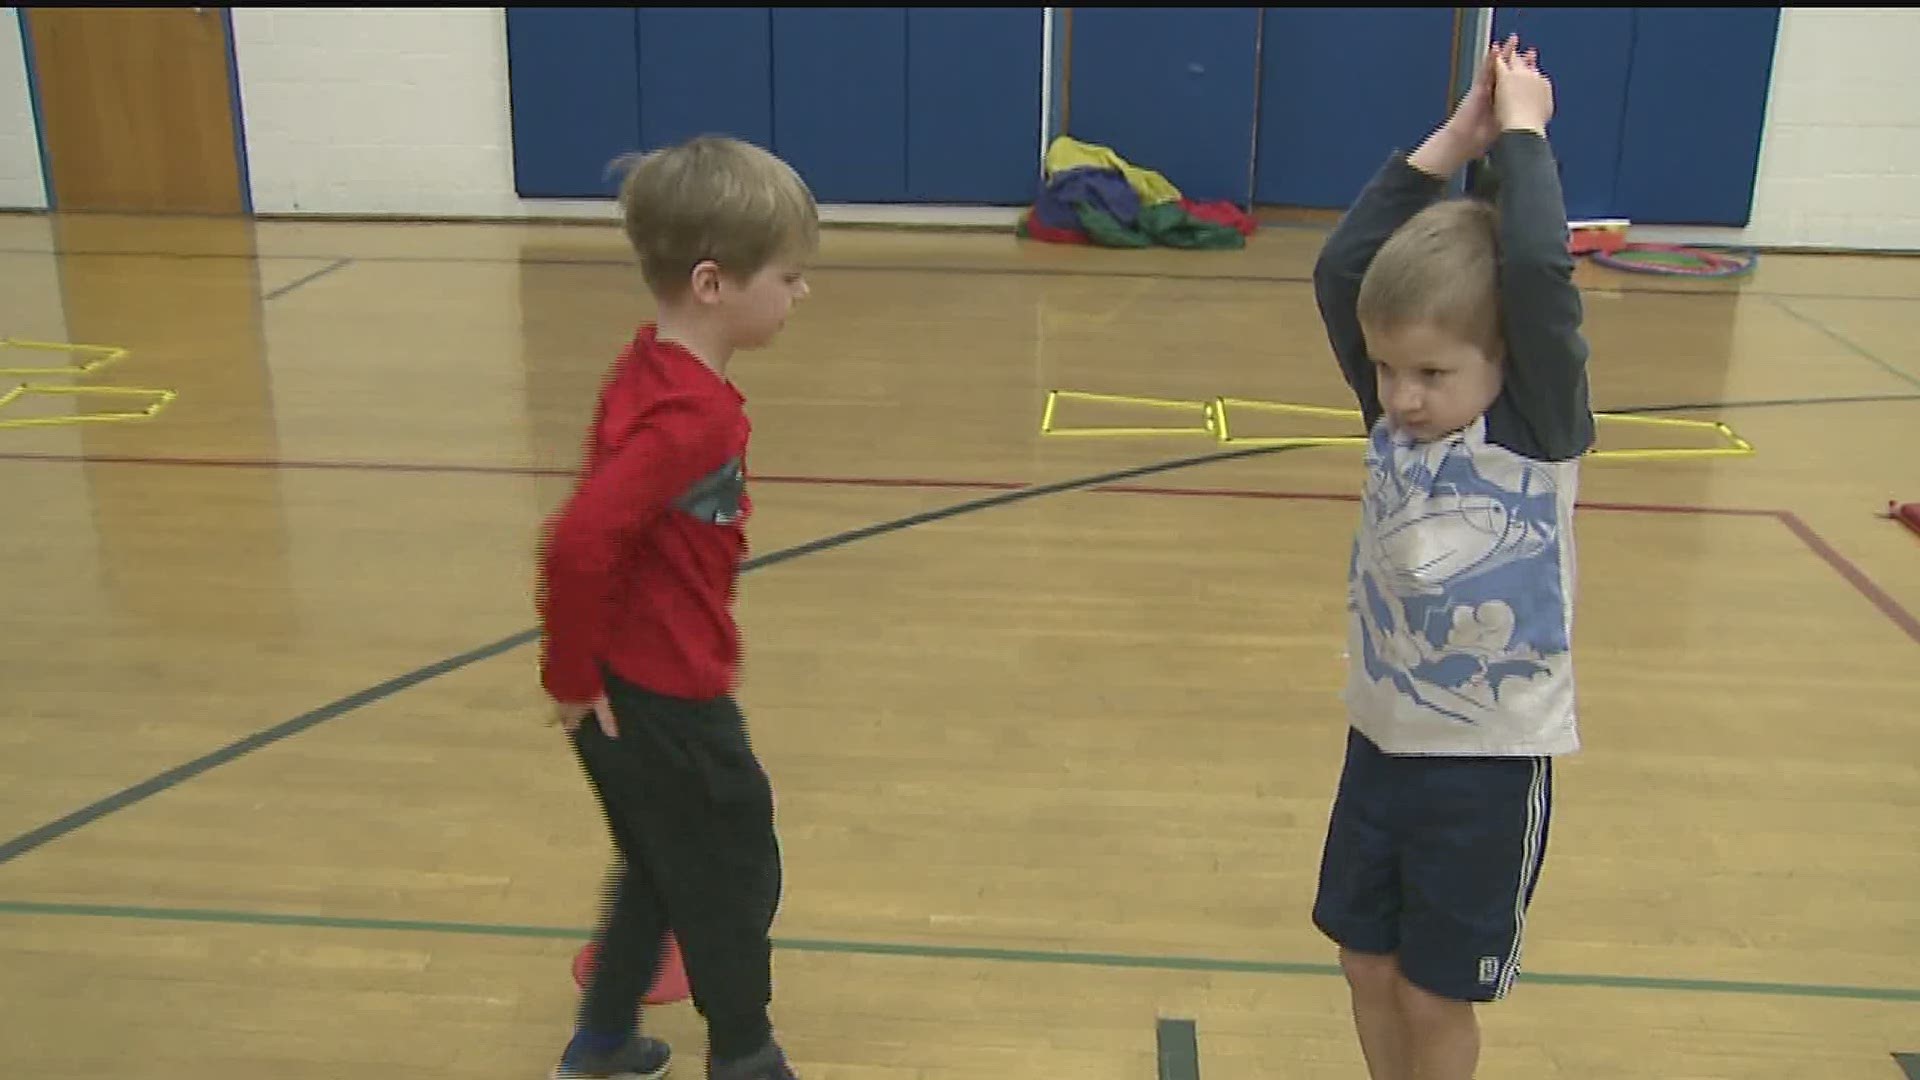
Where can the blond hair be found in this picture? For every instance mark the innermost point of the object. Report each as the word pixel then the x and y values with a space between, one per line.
pixel 714 198
pixel 1442 268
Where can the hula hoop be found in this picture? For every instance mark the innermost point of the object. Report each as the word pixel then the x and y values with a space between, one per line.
pixel 1678 260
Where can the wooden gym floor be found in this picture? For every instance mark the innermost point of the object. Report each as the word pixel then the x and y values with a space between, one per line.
pixel 276 799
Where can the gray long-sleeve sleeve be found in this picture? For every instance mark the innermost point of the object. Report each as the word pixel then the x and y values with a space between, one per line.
pixel 1543 411
pixel 1395 194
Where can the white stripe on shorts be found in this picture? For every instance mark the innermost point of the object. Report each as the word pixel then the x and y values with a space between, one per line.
pixel 1529 866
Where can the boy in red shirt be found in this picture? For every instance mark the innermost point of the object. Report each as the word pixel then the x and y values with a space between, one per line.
pixel 636 603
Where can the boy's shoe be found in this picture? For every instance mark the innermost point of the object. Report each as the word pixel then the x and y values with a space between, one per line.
pixel 639 1058
pixel 770 1063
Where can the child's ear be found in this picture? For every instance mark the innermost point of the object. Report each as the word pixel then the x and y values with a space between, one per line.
pixel 704 282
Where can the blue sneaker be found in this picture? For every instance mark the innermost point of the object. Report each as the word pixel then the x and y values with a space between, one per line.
pixel 639 1058
pixel 770 1063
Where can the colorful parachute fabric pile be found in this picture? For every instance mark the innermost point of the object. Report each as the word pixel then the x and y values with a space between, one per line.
pixel 1093 196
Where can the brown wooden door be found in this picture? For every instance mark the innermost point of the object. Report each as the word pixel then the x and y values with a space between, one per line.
pixel 136 107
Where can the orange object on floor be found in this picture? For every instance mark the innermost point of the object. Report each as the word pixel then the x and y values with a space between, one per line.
pixel 670 987
pixel 1606 236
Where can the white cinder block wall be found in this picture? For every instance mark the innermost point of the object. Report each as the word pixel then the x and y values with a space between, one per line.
pixel 376 110
pixel 405 111
pixel 397 111
pixel 22 184
pixel 1840 153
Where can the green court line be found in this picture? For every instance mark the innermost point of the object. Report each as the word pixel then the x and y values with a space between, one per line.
pixel 937 952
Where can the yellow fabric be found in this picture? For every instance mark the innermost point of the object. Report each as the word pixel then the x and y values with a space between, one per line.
pixel 1066 153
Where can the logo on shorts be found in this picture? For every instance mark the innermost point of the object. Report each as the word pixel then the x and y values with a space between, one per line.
pixel 1489 970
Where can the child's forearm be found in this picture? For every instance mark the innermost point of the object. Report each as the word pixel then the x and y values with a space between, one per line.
pixel 1533 214
pixel 1396 193
pixel 1444 153
pixel 1541 308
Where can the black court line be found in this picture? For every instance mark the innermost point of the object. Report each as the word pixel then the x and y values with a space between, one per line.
pixel 309 279
pixel 179 774
pixel 1008 497
pixel 1179 1046
pixel 923 268
pixel 1909 1064
pixel 1766 403
pixel 1850 345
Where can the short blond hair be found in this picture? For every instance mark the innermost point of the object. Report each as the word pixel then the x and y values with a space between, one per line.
pixel 1442 268
pixel 715 198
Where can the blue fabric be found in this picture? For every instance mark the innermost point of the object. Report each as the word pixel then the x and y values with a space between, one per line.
pixel 1103 189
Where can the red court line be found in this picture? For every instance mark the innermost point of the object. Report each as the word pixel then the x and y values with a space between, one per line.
pixel 1680 508
pixel 288 464
pixel 456 468
pixel 1322 496
pixel 892 482
pixel 1855 576
pixel 1847 570
pixel 923 483
pixel 1229 493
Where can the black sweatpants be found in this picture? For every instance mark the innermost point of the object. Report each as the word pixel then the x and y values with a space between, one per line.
pixel 691 812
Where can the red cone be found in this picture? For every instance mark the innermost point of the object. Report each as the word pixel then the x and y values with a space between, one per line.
pixel 670 987
pixel 1907 512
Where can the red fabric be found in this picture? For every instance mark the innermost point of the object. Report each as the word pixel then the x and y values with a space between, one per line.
pixel 1039 230
pixel 628 577
pixel 1222 213
pixel 1907 512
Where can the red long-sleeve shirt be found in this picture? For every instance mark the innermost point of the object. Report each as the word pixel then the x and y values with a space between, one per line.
pixel 637 570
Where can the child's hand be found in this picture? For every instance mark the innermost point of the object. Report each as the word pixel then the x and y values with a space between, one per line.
pixel 1473 123
pixel 1469 133
pixel 568 715
pixel 1522 95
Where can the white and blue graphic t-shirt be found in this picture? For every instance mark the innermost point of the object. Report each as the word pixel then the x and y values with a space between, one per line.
pixel 1460 599
pixel 1462 577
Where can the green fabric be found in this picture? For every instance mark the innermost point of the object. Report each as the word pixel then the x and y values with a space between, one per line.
pixel 1106 230
pixel 1169 224
pixel 1166 223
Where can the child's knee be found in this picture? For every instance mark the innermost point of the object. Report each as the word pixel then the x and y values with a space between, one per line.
pixel 1422 1006
pixel 1374 974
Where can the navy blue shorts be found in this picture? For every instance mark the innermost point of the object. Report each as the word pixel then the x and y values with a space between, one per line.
pixel 1434 860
